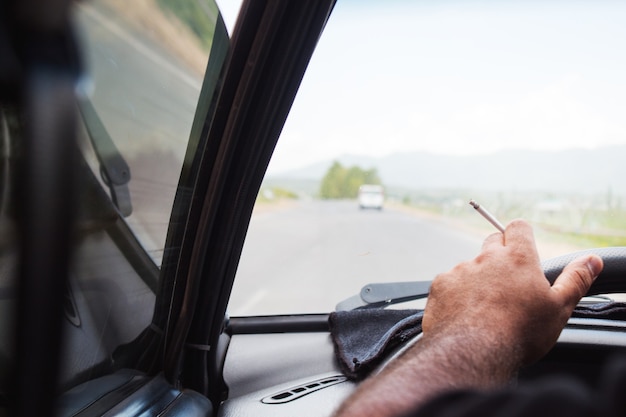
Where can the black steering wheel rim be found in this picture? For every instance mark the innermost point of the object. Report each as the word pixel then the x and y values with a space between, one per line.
pixel 612 279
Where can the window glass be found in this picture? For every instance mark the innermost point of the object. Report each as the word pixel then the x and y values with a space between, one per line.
pixel 144 71
pixel 146 62
pixel 145 66
pixel 518 105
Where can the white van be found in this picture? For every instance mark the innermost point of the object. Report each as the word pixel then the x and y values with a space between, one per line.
pixel 371 196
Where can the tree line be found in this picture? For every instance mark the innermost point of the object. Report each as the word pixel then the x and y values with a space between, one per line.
pixel 344 182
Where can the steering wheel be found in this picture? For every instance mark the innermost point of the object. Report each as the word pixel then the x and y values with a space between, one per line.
pixel 610 280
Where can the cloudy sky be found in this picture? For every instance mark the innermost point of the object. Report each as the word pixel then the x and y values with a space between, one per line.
pixel 459 77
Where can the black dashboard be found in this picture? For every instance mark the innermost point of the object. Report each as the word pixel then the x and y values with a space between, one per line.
pixel 299 374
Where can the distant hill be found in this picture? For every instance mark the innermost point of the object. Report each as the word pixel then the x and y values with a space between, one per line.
pixel 573 170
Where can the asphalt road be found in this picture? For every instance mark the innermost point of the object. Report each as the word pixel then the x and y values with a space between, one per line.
pixel 307 257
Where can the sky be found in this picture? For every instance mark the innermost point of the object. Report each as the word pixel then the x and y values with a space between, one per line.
pixel 458 77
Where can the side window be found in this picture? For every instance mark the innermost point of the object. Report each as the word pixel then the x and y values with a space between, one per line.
pixel 147 79
pixel 146 62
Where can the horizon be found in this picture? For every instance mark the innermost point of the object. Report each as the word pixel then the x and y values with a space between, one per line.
pixel 330 160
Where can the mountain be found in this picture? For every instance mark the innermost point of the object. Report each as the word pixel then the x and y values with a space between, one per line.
pixel 573 170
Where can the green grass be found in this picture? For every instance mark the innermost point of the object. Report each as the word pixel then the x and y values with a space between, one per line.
pixel 583 222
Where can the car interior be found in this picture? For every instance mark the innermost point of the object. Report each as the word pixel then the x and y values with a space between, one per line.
pixel 152 262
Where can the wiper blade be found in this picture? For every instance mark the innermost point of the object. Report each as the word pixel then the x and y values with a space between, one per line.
pixel 383 294
pixel 114 170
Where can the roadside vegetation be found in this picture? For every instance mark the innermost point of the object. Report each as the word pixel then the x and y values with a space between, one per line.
pixel 583 221
pixel 344 182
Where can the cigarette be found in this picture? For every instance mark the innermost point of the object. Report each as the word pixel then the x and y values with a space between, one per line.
pixel 487 215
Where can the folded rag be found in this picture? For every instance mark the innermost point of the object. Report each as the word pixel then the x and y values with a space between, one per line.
pixel 363 338
pixel 603 310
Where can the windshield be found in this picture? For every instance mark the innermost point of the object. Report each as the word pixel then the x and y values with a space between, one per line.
pixel 517 105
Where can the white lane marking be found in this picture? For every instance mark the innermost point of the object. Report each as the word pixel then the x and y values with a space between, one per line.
pixel 114 28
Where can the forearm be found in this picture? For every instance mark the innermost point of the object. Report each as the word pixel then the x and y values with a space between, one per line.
pixel 434 365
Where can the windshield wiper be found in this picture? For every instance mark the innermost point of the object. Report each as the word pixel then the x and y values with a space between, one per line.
pixel 114 170
pixel 384 294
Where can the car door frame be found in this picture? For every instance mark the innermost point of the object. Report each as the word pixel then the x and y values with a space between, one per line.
pixel 271 46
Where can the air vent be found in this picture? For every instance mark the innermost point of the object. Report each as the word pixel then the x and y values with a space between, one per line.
pixel 302 390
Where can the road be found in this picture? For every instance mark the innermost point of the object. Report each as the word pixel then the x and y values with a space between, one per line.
pixel 307 257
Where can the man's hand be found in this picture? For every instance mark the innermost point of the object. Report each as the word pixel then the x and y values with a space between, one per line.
pixel 483 320
pixel 504 296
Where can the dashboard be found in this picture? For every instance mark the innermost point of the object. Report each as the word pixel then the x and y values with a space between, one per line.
pixel 282 366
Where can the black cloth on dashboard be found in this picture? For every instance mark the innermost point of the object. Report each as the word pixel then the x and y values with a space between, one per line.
pixel 612 310
pixel 363 338
pixel 551 396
